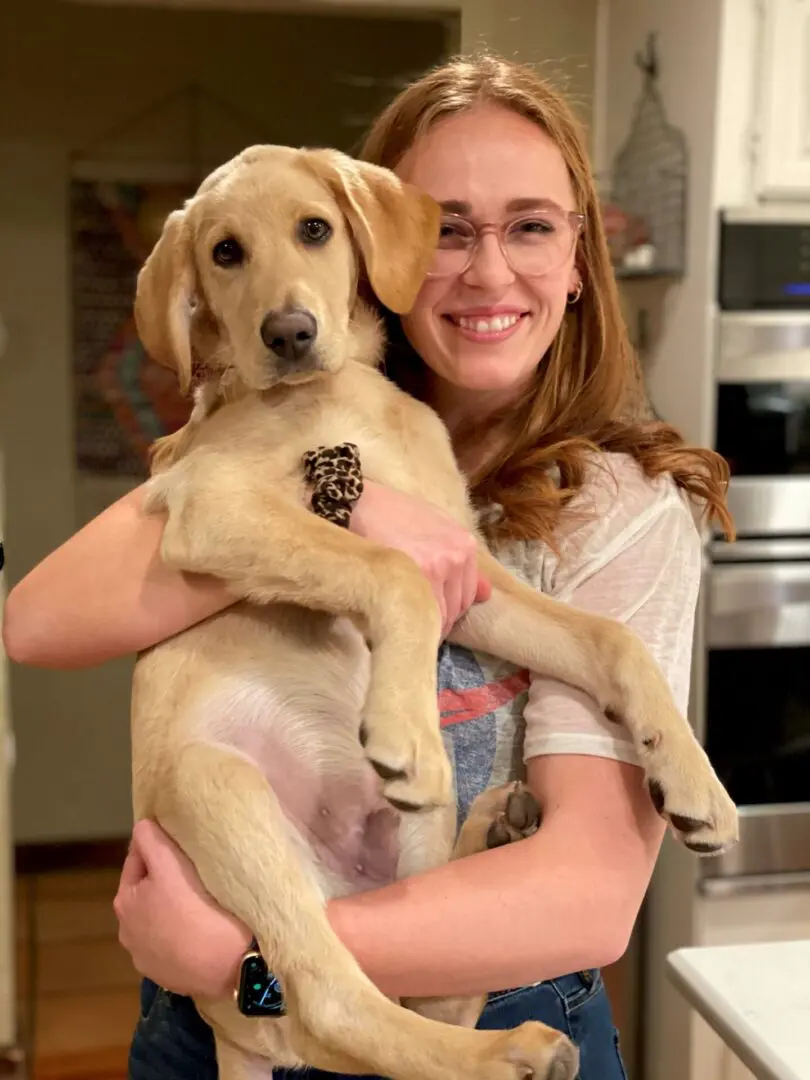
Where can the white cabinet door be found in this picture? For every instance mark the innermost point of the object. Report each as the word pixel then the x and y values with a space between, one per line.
pixel 783 170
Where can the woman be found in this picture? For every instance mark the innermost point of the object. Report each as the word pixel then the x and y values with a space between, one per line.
pixel 517 341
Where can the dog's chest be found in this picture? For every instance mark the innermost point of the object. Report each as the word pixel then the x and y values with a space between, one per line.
pixel 379 458
pixel 357 406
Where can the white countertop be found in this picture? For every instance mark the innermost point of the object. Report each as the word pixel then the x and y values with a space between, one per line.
pixel 757 999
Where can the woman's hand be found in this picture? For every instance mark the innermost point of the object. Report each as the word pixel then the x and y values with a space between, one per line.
pixel 174 931
pixel 444 550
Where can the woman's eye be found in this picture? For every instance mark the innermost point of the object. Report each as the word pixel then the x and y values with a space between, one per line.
pixel 452 234
pixel 228 252
pixel 314 230
pixel 536 225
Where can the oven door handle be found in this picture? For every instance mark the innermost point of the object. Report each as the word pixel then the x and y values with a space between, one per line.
pixel 761 549
pixel 759 605
pixel 754 883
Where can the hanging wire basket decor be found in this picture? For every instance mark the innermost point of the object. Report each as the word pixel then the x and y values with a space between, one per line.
pixel 645 211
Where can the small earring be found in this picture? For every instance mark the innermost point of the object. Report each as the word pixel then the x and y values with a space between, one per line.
pixel 575 295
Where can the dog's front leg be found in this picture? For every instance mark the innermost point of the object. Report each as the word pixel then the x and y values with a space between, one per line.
pixel 225 521
pixel 613 665
pixel 223 813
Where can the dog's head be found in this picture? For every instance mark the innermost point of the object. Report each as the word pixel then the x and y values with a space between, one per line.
pixel 257 275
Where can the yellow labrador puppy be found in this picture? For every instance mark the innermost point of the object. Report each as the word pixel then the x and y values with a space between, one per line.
pixel 286 743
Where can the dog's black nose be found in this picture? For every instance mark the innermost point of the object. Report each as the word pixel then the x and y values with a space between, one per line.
pixel 290 334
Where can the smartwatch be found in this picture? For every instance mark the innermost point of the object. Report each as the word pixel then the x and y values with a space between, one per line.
pixel 258 992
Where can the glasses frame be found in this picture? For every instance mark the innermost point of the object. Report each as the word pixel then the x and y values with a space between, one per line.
pixel 573 217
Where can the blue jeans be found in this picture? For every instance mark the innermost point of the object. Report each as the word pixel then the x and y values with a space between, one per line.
pixel 172 1042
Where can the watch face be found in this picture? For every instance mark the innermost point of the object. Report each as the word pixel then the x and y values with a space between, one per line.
pixel 259 991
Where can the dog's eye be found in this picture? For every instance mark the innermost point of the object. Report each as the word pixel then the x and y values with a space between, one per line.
pixel 228 252
pixel 314 230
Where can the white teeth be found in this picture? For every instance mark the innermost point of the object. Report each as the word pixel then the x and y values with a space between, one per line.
pixel 488 326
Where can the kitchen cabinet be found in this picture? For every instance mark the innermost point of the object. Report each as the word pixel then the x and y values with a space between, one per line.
pixel 776 912
pixel 782 126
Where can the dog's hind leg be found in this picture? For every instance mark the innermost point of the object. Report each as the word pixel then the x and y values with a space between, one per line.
pixel 223 813
pixel 234 1063
pixel 611 663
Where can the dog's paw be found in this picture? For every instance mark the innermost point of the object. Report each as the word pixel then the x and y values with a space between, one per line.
pixel 532 1051
pixel 516 818
pixel 412 765
pixel 686 792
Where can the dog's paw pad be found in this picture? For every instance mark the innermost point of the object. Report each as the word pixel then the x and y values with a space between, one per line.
pixel 387 772
pixel 414 776
pixel 705 848
pixel 687 825
pixel 406 807
pixel 710 834
pixel 523 810
pixel 657 795
pixel 520 818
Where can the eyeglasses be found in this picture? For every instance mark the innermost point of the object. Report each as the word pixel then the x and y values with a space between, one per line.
pixel 533 245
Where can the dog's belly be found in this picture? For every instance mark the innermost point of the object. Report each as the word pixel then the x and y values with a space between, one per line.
pixel 298 721
pixel 351 829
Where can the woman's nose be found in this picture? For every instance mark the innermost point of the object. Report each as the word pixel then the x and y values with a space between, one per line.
pixel 489 266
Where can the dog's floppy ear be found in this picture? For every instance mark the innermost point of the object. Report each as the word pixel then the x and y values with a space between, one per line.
pixel 395 225
pixel 163 298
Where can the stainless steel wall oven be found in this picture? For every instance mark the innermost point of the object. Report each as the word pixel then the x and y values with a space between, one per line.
pixel 758 609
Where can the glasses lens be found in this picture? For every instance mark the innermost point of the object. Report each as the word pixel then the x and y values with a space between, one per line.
pixel 534 245
pixel 539 243
pixel 456 244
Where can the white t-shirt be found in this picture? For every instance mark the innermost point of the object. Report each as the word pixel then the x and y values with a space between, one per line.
pixel 634 553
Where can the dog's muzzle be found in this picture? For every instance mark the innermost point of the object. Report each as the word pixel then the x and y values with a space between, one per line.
pixel 290 336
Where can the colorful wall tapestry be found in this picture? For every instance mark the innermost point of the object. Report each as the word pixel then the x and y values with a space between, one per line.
pixel 123 399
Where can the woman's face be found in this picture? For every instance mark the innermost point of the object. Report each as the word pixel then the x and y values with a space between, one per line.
pixel 483 332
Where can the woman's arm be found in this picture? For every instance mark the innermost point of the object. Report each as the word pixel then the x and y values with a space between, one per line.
pixel 563 900
pixel 106 593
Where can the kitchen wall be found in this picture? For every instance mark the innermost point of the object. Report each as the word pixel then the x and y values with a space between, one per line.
pixel 559 38
pixel 68 74
pixel 688 45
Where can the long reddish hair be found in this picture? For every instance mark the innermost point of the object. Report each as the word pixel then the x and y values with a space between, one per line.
pixel 588 394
